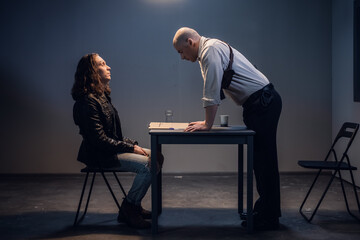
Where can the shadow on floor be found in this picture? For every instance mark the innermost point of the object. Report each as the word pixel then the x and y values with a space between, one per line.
pixel 175 223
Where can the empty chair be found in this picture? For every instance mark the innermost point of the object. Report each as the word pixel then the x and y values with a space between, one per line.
pixel 340 163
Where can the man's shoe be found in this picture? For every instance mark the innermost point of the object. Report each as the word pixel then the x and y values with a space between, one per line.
pixel 243 215
pixel 264 224
pixel 129 213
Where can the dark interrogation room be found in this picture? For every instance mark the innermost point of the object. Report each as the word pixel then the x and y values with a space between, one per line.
pixel 180 119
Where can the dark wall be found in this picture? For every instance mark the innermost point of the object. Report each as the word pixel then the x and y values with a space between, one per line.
pixel 344 108
pixel 42 41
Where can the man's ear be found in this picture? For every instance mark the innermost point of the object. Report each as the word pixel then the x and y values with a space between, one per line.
pixel 190 41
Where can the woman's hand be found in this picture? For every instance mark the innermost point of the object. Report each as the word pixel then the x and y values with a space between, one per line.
pixel 197 126
pixel 139 150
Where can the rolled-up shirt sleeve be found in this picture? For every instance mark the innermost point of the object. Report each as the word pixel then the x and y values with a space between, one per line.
pixel 212 72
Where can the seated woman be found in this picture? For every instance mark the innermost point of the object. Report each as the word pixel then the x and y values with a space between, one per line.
pixel 103 144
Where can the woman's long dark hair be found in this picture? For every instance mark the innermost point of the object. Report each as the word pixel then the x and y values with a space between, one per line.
pixel 87 78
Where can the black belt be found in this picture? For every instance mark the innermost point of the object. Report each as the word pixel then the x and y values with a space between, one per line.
pixel 265 95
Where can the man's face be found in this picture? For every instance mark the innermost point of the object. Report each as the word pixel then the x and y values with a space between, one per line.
pixel 187 51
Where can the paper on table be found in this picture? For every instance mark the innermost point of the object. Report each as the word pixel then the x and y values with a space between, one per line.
pixel 167 125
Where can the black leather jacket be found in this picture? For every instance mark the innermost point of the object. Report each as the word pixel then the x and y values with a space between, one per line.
pixel 100 128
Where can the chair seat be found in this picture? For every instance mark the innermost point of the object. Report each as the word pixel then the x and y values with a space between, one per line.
pixel 95 169
pixel 331 165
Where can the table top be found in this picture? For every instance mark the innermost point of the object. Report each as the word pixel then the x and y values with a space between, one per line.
pixel 216 130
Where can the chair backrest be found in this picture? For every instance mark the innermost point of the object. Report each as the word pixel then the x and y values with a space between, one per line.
pixel 348 130
pixel 344 132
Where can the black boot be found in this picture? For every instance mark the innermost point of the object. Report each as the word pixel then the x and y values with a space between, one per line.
pixel 144 213
pixel 130 214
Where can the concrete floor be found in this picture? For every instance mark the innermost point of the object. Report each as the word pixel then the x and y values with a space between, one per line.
pixel 199 206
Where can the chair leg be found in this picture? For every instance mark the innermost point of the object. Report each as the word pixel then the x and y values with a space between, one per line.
pixel 88 199
pixel 323 195
pixel 90 191
pixel 111 191
pixel 355 192
pixel 307 195
pixel 321 199
pixel 81 197
pixel 122 189
pixel 344 193
pixel 354 188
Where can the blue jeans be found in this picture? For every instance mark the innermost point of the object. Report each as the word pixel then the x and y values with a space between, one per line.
pixel 139 164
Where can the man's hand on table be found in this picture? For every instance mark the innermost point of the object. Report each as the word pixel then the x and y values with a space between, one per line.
pixel 197 126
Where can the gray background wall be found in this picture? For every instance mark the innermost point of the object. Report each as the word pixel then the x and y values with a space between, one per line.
pixel 42 41
pixel 344 108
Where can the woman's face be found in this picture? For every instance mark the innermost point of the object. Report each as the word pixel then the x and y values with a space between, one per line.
pixel 103 70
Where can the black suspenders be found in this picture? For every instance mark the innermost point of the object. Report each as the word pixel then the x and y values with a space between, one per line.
pixel 228 74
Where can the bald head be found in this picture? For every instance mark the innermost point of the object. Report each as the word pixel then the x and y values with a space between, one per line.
pixel 186 42
pixel 183 34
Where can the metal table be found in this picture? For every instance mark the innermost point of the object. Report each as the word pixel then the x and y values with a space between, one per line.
pixel 233 135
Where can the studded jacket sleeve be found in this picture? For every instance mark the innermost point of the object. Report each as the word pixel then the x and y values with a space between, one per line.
pixel 95 122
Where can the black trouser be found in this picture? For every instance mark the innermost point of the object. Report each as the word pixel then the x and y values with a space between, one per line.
pixel 261 114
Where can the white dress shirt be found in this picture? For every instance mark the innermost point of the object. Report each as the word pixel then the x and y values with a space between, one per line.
pixel 213 57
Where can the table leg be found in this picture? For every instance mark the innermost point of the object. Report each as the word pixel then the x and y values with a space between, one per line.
pixel 250 158
pixel 240 177
pixel 154 186
pixel 159 176
pixel 159 182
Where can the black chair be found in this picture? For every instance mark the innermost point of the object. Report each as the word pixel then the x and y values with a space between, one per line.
pixel 347 132
pixel 89 170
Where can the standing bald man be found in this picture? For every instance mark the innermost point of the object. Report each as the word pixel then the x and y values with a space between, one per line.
pixel 227 71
